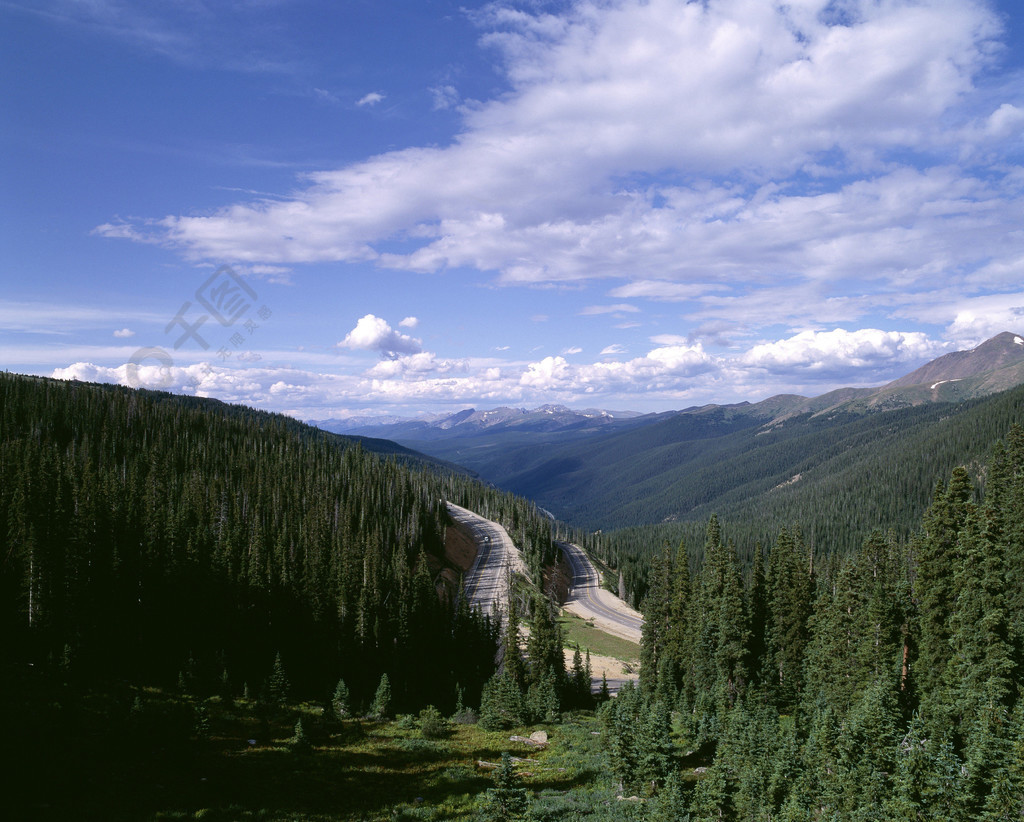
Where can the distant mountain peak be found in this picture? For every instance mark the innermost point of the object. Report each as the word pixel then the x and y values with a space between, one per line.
pixel 1000 351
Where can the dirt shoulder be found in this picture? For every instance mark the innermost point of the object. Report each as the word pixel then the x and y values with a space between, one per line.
pixel 459 546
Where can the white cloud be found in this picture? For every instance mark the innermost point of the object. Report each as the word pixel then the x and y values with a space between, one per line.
pixel 276 274
pixel 573 349
pixel 325 96
pixel 374 334
pixel 809 362
pixel 370 99
pixel 445 97
pixel 664 290
pixel 61 318
pixel 609 95
pixel 424 362
pixel 613 349
pixel 409 322
pixel 981 318
pixel 839 351
pixel 619 308
pixel 124 332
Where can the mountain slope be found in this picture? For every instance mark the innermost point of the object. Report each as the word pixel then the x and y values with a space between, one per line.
pixel 145 534
pixel 1003 350
pixel 765 457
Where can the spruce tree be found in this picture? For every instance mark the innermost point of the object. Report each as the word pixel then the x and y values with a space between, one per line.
pixel 678 635
pixel 340 700
pixel 789 597
pixel 512 660
pixel 654 632
pixel 654 745
pixel 502 704
pixel 380 708
pixel 299 743
pixel 934 587
pixel 671 803
pixel 278 685
pixel 507 800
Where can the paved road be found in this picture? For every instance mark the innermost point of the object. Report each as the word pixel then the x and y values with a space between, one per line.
pixel 589 600
pixel 486 582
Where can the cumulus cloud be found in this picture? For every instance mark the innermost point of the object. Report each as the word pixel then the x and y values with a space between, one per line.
pixel 978 319
pixel 672 372
pixel 124 332
pixel 374 334
pixel 409 322
pixel 840 351
pixel 425 362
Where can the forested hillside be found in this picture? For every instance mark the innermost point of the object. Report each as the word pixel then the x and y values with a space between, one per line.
pixel 880 685
pixel 147 536
pixel 836 478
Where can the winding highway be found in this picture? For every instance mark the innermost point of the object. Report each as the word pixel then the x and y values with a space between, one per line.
pixel 497 558
pixel 587 599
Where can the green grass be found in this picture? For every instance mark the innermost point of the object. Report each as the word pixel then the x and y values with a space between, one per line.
pixel 95 763
pixel 584 634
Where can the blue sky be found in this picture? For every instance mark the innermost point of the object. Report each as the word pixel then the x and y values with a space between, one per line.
pixel 334 208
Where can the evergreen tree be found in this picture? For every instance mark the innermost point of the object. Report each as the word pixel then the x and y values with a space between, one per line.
pixel 542 703
pixel 512 660
pixel 278 685
pixel 340 700
pixel 678 635
pixel 711 797
pixel 654 745
pixel 621 717
pixel 789 597
pixel 671 803
pixel 507 800
pixel 432 724
pixel 579 682
pixel 934 589
pixel 201 723
pixel 299 743
pixel 654 633
pixel 501 704
pixel 380 708
pixel 723 627
pixel 544 647
pixel 981 673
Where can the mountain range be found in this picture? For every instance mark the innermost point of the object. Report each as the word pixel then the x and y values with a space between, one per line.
pixel 604 470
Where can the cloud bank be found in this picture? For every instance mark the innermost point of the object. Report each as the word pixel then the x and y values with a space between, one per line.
pixel 676 372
